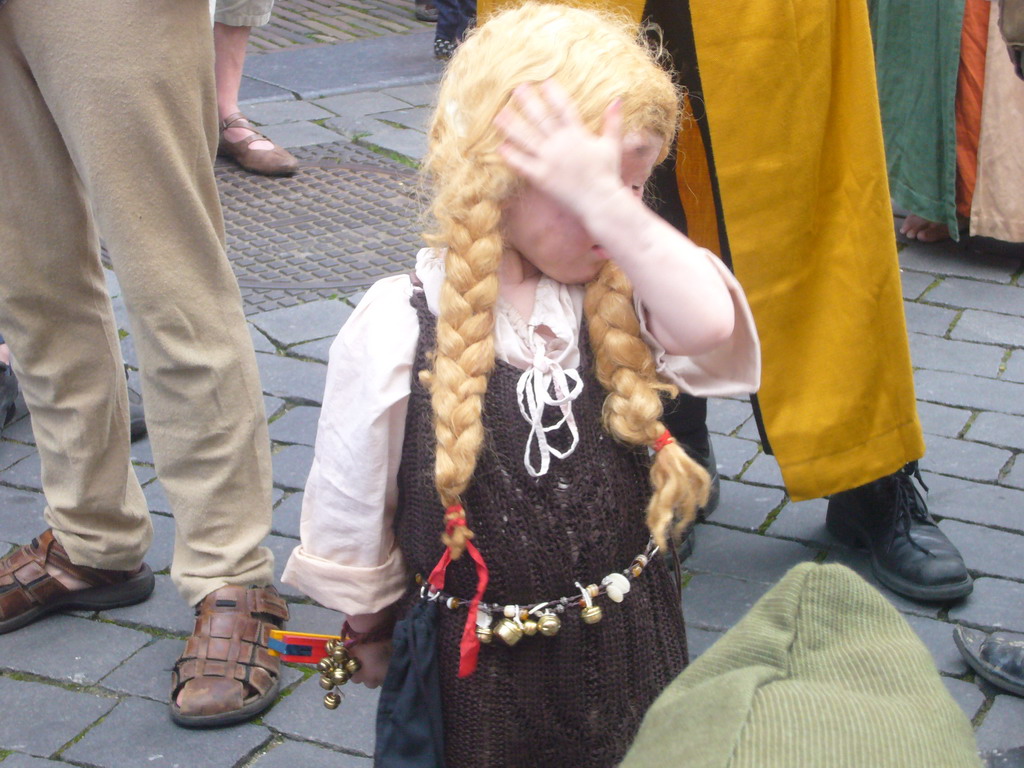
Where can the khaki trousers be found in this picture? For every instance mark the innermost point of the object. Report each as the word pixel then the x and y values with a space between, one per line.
pixel 108 128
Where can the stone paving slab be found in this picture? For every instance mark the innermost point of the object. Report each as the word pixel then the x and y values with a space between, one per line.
pixel 916 283
pixel 995 604
pixel 726 416
pixel 964 459
pixel 989 328
pixel 745 556
pixel 1015 477
pixel 69 648
pixel 942 420
pixel 295 753
pixel 362 65
pixel 46 716
pixel 291 466
pixel 20 517
pixel 938 637
pixel 924 318
pixel 941 354
pixel 26 761
pixel 350 727
pixel 976 294
pixel 1002 725
pixel 164 610
pixel 292 379
pixel 952 259
pixel 958 390
pixel 1015 366
pixel 966 695
pixel 140 733
pixel 987 550
pixel 803 521
pixel 313 320
pixel 1000 430
pixel 287 514
pixel 715 602
pixel 296 426
pixel 990 505
pixel 746 506
pixel 763 471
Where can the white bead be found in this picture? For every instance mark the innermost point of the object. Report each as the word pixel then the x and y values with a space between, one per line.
pixel 483 619
pixel 617 581
pixel 614 593
pixel 511 611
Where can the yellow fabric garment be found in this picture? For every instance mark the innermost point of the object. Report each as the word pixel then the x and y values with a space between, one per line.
pixel 790 96
pixel 789 88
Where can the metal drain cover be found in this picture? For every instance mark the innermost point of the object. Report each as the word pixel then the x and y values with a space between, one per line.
pixel 330 229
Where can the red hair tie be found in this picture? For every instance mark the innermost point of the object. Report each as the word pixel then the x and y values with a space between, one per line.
pixel 665 438
pixel 453 518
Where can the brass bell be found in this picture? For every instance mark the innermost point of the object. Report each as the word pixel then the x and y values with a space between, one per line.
pixel 325 666
pixel 326 682
pixel 509 632
pixel 340 676
pixel 330 646
pixel 484 634
pixel 332 700
pixel 529 627
pixel 340 655
pixel 352 666
pixel 549 624
pixel 592 614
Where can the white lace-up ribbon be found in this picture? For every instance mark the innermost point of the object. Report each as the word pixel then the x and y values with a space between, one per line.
pixel 534 392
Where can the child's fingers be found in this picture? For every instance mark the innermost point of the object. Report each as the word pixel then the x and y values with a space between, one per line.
pixel 523 163
pixel 516 129
pixel 612 127
pixel 564 110
pixel 532 105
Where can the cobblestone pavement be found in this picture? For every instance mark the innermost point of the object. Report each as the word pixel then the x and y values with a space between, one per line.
pixel 323 22
pixel 91 689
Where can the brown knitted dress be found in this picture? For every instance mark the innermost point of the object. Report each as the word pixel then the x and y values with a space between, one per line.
pixel 575 699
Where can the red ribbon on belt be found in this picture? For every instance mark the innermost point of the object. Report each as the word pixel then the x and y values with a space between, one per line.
pixel 469 646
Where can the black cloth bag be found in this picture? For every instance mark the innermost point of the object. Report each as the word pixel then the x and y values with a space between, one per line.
pixel 409 726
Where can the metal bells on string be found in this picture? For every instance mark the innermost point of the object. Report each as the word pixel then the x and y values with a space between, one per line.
pixel 336 668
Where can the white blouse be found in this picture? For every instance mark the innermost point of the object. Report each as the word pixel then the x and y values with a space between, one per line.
pixel 347 558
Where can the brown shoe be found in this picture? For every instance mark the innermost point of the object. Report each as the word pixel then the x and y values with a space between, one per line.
pixel 268 162
pixel 39 578
pixel 227 674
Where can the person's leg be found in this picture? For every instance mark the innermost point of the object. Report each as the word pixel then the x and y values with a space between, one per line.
pixel 233 21
pixel 58 319
pixel 147 168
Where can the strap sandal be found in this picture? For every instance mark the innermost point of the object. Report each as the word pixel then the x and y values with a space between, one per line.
pixel 267 162
pixel 39 578
pixel 227 674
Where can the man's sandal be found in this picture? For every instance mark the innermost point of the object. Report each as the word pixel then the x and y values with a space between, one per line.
pixel 227 674
pixel 268 162
pixel 39 579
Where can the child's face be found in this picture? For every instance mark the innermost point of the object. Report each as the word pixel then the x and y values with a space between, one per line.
pixel 551 239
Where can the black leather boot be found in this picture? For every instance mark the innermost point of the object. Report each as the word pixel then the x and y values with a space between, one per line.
pixel 8 394
pixel 909 554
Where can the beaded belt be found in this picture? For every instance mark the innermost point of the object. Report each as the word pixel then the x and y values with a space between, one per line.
pixel 544 618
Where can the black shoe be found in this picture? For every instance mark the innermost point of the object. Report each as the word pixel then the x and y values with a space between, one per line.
pixel 909 554
pixel 444 49
pixel 8 394
pixel 426 11
pixel 998 660
pixel 137 417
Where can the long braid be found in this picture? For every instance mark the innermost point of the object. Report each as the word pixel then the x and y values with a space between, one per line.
pixel 469 221
pixel 633 408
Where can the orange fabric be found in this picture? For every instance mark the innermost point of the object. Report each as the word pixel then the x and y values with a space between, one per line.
pixel 970 85
pixel 694 179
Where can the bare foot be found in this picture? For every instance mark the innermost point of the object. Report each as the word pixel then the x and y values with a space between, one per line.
pixel 916 228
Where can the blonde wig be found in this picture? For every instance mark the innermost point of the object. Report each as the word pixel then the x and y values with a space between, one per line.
pixel 597 58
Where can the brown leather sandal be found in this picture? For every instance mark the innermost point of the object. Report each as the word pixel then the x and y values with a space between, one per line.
pixel 268 162
pixel 226 674
pixel 39 579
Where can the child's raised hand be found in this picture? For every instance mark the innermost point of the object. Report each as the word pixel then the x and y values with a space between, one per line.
pixel 548 144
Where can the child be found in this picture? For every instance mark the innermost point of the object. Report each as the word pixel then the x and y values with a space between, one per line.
pixel 467 404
